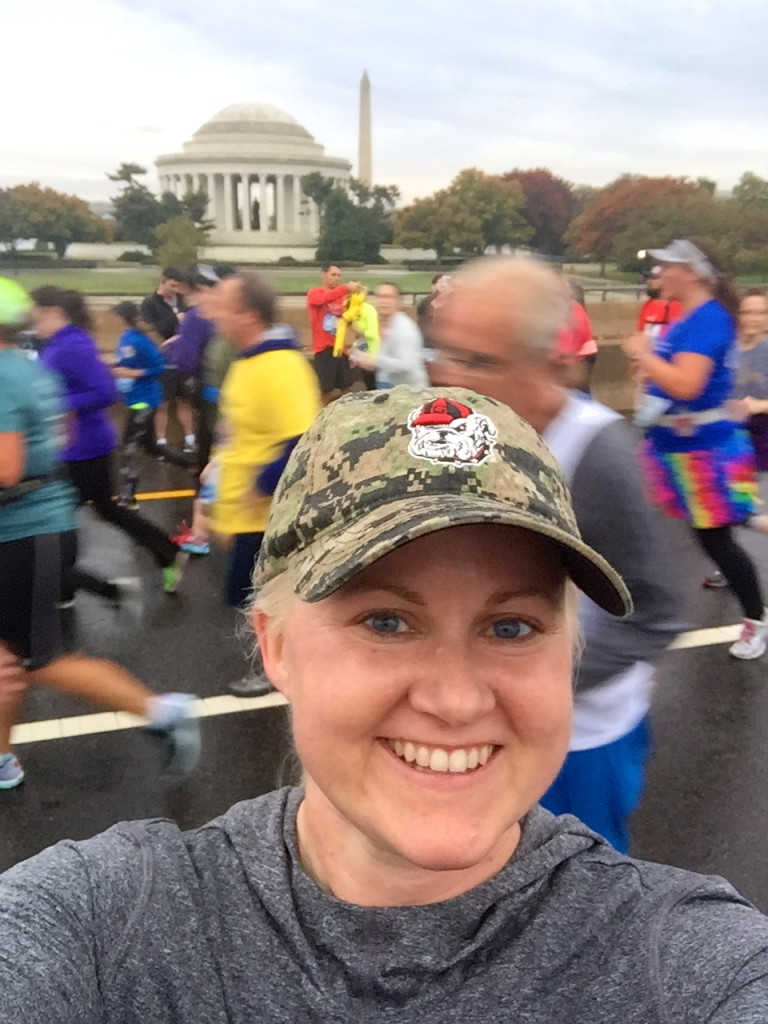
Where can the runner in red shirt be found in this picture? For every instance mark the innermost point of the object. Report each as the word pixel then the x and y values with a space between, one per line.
pixel 325 305
pixel 657 312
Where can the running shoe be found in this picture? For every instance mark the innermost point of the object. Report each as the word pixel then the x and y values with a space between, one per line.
pixel 67 603
pixel 190 542
pixel 172 573
pixel 11 772
pixel 715 581
pixel 251 686
pixel 174 716
pixel 752 641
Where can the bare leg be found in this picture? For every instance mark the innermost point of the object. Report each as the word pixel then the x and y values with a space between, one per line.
pixel 9 712
pixel 161 420
pixel 103 682
pixel 186 417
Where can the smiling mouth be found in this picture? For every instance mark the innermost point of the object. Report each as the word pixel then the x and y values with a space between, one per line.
pixel 458 761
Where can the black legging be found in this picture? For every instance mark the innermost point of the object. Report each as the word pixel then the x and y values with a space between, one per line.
pixel 92 480
pixel 737 567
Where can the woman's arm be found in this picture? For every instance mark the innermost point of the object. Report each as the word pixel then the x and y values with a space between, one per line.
pixel 685 377
pixel 13 457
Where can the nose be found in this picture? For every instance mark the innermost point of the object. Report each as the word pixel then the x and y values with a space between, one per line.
pixel 452 687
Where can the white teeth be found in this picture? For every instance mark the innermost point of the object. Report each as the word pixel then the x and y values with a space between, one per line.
pixel 457 762
pixel 437 759
pixel 422 757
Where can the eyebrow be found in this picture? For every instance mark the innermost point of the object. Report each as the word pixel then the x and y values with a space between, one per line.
pixel 355 587
pixel 516 593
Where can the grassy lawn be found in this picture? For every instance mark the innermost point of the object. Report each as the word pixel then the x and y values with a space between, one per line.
pixel 139 281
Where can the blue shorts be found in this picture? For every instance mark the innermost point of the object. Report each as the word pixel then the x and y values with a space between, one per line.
pixel 603 786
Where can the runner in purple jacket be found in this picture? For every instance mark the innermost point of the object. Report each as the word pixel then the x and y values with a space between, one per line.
pixel 61 317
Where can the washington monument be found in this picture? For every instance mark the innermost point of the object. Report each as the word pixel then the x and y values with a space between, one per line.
pixel 365 156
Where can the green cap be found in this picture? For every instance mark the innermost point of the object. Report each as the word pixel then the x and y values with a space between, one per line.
pixel 15 303
pixel 379 468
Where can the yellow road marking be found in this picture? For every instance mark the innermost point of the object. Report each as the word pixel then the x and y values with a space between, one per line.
pixel 164 495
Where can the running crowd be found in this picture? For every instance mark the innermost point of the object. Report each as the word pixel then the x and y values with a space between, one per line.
pixel 437 781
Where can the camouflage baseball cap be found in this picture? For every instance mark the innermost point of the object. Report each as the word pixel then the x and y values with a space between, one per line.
pixel 378 469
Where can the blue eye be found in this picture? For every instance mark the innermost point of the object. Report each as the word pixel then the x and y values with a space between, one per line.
pixel 386 622
pixel 511 629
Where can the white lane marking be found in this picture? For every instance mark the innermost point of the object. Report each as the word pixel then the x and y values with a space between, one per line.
pixel 112 721
pixel 228 704
pixel 707 637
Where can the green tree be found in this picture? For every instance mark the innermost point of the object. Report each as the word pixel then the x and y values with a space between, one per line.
pixel 54 217
pixel 475 213
pixel 127 173
pixel 176 242
pixel 354 221
pixel 12 223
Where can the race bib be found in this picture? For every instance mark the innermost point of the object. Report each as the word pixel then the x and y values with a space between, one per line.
pixel 330 323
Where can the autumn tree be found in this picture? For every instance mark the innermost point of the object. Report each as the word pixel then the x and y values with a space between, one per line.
pixel 475 213
pixel 54 217
pixel 636 212
pixel 550 206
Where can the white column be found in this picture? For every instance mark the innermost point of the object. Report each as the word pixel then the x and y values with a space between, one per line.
pixel 229 203
pixel 263 222
pixel 210 186
pixel 280 201
pixel 296 204
pixel 245 206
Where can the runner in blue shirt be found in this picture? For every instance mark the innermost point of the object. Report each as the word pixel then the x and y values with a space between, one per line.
pixel 139 367
pixel 699 461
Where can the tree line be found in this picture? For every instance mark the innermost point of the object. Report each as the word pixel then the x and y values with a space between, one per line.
pixel 535 208
pixel 476 213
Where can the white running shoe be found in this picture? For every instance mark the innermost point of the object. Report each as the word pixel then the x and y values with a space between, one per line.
pixel 752 642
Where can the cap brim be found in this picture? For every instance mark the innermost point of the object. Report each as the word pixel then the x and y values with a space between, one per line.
pixel 327 564
pixel 665 256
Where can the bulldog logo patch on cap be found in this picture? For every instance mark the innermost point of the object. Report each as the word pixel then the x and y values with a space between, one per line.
pixel 445 431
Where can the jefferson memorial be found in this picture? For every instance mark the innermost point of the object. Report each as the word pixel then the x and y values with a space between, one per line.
pixel 250 159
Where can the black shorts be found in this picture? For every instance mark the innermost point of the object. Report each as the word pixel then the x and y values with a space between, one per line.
pixel 175 385
pixel 29 619
pixel 332 371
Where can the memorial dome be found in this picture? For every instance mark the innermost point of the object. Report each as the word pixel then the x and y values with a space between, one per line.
pixel 250 158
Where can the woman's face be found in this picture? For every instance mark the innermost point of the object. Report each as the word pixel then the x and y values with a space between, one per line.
pixel 675 280
pixel 431 696
pixel 46 320
pixel 753 316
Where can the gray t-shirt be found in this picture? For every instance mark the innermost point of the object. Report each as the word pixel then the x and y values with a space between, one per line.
pixel 148 925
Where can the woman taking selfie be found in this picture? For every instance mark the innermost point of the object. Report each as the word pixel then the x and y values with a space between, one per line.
pixel 416 605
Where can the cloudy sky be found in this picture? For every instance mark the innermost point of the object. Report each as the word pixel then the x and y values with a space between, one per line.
pixel 588 88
